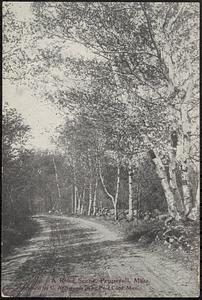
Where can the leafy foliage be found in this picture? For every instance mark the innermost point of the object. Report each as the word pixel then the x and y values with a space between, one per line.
pixel 134 85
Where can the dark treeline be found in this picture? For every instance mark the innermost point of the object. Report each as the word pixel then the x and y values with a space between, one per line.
pixel 79 180
pixel 41 181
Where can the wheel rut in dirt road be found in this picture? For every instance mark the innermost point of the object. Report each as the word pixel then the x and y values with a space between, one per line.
pixel 75 257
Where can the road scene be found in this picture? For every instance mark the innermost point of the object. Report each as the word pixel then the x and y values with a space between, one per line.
pixel 100 149
pixel 73 257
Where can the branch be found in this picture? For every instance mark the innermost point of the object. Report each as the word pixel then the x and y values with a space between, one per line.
pixel 153 40
pixel 166 17
pixel 104 186
pixel 128 52
pixel 117 184
pixel 189 89
pixel 173 20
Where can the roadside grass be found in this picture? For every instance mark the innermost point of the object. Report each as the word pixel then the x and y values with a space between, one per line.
pixel 177 240
pixel 143 232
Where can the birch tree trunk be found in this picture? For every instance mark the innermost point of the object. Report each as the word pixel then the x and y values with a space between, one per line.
pixel 185 124
pixel 75 199
pixel 130 194
pixel 185 187
pixel 95 197
pixel 90 199
pixel 138 201
pixel 113 199
pixel 72 196
pixel 79 204
pixel 58 187
pixel 172 173
pixel 195 212
pixel 82 209
pixel 164 55
pixel 90 187
pixel 161 172
pixel 75 189
pixel 83 199
pixel 104 186
pixel 198 195
pixel 186 131
pixel 117 193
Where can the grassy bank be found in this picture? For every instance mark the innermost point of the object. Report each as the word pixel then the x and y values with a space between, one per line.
pixel 16 234
pixel 176 240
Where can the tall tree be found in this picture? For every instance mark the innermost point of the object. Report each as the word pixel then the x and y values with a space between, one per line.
pixel 148 53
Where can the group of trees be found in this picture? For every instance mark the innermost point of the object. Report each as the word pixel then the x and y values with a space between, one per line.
pixel 14 160
pixel 105 174
pixel 133 98
pixel 32 180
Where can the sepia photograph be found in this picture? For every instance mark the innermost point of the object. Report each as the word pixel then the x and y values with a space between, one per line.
pixel 100 149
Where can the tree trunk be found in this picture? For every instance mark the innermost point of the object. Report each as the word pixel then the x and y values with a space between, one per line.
pixel 75 199
pixel 90 199
pixel 186 131
pixel 104 186
pixel 184 164
pixel 75 189
pixel 79 204
pixel 161 172
pixel 83 199
pixel 115 212
pixel 117 193
pixel 186 189
pixel 130 194
pixel 195 211
pixel 172 173
pixel 95 197
pixel 72 195
pixel 101 206
pixel 58 187
pixel 90 185
pixel 82 209
pixel 138 201
pixel 198 195
pixel 113 199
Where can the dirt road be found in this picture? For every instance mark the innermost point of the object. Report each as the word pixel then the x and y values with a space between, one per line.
pixel 73 257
